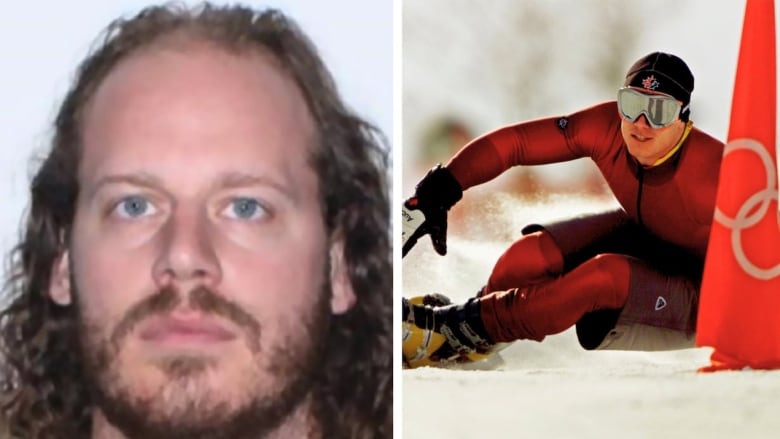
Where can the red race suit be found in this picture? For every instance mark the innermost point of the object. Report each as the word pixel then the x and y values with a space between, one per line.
pixel 629 278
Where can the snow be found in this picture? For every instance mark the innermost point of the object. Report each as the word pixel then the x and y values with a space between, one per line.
pixel 555 389
pixel 607 396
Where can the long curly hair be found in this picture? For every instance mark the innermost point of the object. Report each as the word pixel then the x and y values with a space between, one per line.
pixel 42 390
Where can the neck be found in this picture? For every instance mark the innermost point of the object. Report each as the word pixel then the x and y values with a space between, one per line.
pixel 300 423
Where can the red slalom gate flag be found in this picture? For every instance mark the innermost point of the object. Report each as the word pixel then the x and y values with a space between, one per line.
pixel 739 314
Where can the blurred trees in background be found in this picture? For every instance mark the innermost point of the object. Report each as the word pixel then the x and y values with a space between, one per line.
pixel 470 67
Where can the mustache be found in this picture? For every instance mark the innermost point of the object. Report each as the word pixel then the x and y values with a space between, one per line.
pixel 200 299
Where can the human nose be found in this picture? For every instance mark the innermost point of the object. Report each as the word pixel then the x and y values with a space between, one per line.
pixel 187 256
pixel 642 121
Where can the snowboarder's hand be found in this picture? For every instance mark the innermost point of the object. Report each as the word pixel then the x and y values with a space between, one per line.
pixel 434 195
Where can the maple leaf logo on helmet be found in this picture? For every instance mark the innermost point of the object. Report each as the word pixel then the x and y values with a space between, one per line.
pixel 650 83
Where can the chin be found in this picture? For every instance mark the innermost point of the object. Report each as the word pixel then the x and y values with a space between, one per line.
pixel 183 385
pixel 157 376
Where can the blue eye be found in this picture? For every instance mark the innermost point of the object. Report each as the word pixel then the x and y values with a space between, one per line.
pixel 134 206
pixel 245 208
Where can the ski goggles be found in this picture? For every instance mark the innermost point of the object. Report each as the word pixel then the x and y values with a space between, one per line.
pixel 659 110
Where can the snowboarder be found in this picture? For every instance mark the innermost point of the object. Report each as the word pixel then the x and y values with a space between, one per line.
pixel 627 278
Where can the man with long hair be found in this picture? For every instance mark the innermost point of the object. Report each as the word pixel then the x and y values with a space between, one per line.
pixel 206 253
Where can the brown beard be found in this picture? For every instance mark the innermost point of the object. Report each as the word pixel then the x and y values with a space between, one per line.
pixel 296 364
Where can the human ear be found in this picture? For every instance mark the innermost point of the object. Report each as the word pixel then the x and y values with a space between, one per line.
pixel 59 281
pixel 343 295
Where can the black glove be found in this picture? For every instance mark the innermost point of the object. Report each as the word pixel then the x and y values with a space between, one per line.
pixel 434 195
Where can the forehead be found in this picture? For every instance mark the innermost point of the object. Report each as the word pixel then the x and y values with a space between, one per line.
pixel 195 105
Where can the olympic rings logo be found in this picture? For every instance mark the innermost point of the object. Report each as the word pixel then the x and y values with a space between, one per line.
pixel 742 220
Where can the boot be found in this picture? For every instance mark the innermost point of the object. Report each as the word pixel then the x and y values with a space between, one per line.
pixel 442 334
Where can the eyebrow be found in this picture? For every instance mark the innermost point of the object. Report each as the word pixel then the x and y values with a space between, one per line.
pixel 234 179
pixel 228 180
pixel 139 179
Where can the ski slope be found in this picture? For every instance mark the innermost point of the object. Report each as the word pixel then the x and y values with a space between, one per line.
pixel 555 389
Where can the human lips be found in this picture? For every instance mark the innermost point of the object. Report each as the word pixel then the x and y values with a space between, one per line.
pixel 640 137
pixel 175 331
